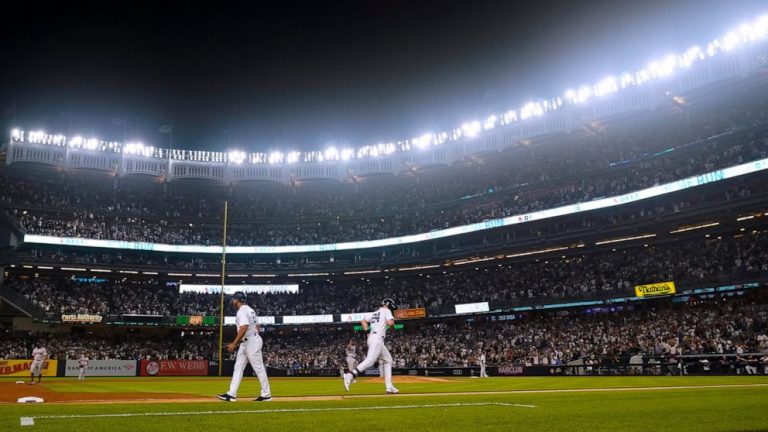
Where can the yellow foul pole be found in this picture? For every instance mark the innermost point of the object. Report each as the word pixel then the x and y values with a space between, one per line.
pixel 223 275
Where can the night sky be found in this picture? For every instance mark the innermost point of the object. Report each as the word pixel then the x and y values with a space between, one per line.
pixel 284 75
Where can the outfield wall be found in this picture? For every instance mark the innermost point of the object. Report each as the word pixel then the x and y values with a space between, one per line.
pixel 21 368
pixel 99 368
pixel 694 365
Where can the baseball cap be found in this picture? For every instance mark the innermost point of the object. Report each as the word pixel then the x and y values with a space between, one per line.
pixel 239 296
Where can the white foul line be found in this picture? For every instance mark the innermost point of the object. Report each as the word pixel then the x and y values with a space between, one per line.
pixel 30 421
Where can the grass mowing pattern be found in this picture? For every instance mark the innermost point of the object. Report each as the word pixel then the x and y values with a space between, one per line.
pixel 700 409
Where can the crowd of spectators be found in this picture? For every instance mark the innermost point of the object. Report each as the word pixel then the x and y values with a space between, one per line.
pixel 67 346
pixel 575 169
pixel 697 262
pixel 549 339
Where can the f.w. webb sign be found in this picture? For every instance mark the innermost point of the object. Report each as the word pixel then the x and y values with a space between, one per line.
pixel 173 367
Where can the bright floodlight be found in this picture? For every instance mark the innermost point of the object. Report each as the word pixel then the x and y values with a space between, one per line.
pixel 236 157
pixel 627 80
pixel 578 96
pixel 36 136
pixel 731 40
pixel 750 32
pixel 92 144
pixel 509 117
pixel 533 109
pixel 471 129
pixel 134 148
pixel 275 157
pixel 490 122
pixel 331 153
pixel 293 157
pixel 423 141
pixel 347 153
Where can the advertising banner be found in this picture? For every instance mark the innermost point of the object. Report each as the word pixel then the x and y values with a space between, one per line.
pixel 511 370
pixel 307 319
pixel 353 316
pixel 472 307
pixel 410 313
pixel 173 368
pixel 20 368
pixel 655 289
pixel 81 318
pixel 102 368
pixel 230 320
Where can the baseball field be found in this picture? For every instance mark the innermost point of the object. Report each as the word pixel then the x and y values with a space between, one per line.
pixel 735 403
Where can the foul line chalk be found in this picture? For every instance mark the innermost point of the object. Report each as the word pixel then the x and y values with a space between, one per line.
pixel 30 421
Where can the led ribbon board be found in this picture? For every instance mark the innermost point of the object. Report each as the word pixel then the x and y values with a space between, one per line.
pixel 668 188
pixel 231 289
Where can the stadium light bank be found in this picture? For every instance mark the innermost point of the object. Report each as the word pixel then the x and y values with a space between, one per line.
pixel 747 33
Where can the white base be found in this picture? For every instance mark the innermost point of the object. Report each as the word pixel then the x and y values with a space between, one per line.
pixel 30 399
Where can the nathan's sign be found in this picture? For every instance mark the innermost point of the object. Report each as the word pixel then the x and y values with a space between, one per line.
pixel 410 313
pixel 655 289
pixel 82 318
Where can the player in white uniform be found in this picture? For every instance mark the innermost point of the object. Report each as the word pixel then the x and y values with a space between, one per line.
pixel 483 373
pixel 351 355
pixel 39 356
pixel 82 363
pixel 249 351
pixel 379 321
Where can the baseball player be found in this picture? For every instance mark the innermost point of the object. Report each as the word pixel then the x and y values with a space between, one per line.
pixel 39 356
pixel 351 355
pixel 379 321
pixel 483 373
pixel 249 350
pixel 82 364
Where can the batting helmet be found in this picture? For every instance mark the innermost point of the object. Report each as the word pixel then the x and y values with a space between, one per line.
pixel 388 302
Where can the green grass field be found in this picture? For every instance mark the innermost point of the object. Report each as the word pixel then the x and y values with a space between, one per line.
pixel 740 404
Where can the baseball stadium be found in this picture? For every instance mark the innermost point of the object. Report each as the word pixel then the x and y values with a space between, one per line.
pixel 594 259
